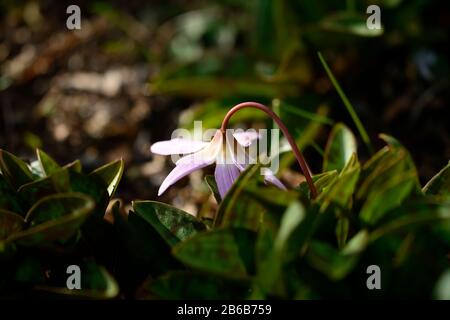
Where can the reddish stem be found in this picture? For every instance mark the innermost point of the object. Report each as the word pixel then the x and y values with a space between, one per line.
pixel 298 155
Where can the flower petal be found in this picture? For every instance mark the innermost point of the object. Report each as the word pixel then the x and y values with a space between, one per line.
pixel 207 154
pixel 177 146
pixel 225 175
pixel 269 177
pixel 246 138
pixel 180 171
pixel 236 153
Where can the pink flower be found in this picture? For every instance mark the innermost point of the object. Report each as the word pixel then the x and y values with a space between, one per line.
pixel 230 158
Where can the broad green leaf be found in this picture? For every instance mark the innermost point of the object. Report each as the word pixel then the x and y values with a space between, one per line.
pixel 278 250
pixel 225 252
pixel 324 180
pixel 340 192
pixel 340 147
pixel 55 217
pixel 194 285
pixel 110 174
pixel 271 195
pixel 56 182
pixel 390 165
pixel 14 170
pixel 291 219
pixel 330 261
pixel 96 283
pixel 10 223
pixel 413 215
pixel 9 200
pixel 440 183
pixel 48 165
pixel 211 182
pixel 396 146
pixel 387 197
pixel 91 186
pixel 172 224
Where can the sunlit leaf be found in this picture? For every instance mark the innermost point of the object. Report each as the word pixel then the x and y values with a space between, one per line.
pixel 48 165
pixel 225 252
pixel 55 217
pixel 14 170
pixel 440 183
pixel 172 224
pixel 110 174
pixel 340 147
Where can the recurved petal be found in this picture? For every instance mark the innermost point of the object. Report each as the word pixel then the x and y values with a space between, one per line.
pixel 269 177
pixel 180 171
pixel 177 146
pixel 225 175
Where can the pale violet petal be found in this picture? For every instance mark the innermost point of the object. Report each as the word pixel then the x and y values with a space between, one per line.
pixel 237 154
pixel 207 154
pixel 225 175
pixel 269 177
pixel 246 138
pixel 177 146
pixel 180 171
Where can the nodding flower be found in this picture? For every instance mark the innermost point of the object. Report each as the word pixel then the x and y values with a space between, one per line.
pixel 227 151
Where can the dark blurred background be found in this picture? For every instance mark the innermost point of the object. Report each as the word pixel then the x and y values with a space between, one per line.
pixel 137 70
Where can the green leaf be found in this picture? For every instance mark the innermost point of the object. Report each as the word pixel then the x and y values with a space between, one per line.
pixel 48 165
pixel 10 223
pixel 341 190
pixel 194 285
pixel 330 261
pixel 9 200
pixel 342 228
pixel 211 182
pixel 387 197
pixel 110 174
pixel 279 250
pixel 442 287
pixel 351 23
pixel 96 283
pixel 340 147
pixel 389 178
pixel 324 180
pixel 225 252
pixel 14 170
pixel 234 210
pixel 172 224
pixel 55 217
pixel 56 182
pixel 440 183
pixel 413 215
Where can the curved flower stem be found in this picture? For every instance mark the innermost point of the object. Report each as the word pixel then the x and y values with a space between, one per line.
pixel 298 155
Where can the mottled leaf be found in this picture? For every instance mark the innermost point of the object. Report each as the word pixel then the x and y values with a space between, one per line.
pixel 172 224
